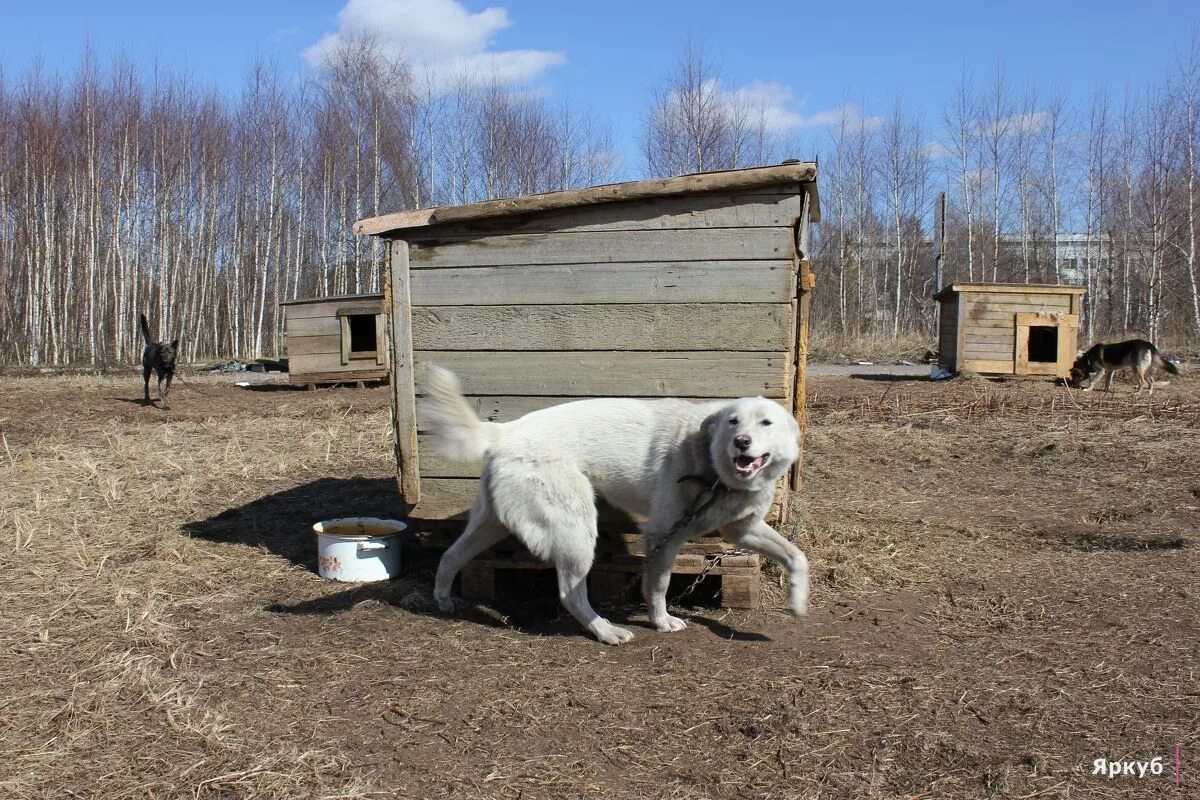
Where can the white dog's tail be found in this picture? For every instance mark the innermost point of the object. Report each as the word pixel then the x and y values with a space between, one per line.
pixel 461 434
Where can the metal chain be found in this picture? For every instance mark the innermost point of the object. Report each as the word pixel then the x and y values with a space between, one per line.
pixel 701 503
pixel 697 508
pixel 709 567
pixel 195 387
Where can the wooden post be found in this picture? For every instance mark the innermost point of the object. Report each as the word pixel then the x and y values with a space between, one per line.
pixel 404 392
pixel 805 281
pixel 381 337
pixel 741 591
pixel 939 255
pixel 344 322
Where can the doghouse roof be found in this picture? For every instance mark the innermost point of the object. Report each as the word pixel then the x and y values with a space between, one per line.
pixel 734 180
pixel 1012 288
pixel 337 298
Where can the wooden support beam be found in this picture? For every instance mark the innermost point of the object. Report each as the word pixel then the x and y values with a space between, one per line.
pixel 404 392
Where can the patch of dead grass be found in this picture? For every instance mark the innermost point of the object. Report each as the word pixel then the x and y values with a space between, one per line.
pixel 965 640
pixel 100 588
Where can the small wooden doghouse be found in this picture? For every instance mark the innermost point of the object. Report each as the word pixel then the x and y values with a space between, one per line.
pixel 1009 328
pixel 337 339
pixel 693 287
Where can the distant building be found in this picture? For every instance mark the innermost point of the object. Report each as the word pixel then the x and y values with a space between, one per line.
pixel 1076 253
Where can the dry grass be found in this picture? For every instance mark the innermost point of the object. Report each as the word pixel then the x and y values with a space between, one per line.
pixel 835 348
pixel 1004 589
pixel 103 668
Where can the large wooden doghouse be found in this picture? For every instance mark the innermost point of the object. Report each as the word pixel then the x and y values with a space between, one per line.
pixel 1009 328
pixel 337 339
pixel 695 287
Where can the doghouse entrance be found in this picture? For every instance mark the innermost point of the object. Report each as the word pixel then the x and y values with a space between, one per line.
pixel 1043 344
pixel 362 335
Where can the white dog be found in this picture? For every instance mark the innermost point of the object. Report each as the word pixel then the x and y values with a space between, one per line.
pixel 687 469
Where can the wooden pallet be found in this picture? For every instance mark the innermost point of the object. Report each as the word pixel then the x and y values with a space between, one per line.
pixel 619 560
pixel 311 385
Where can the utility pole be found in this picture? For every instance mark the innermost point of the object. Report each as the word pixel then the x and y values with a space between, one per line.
pixel 939 243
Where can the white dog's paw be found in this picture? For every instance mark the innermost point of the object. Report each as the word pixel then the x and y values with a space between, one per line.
pixel 668 624
pixel 608 633
pixel 447 604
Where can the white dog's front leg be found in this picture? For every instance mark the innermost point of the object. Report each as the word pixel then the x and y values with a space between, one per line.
pixel 656 577
pixel 760 537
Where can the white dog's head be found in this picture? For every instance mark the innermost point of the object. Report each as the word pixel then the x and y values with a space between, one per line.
pixel 752 442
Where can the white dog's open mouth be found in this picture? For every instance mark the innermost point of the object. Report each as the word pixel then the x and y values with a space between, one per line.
pixel 749 466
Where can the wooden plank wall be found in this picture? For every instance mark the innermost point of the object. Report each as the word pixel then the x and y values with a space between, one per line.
pixel 989 326
pixel 948 333
pixel 674 297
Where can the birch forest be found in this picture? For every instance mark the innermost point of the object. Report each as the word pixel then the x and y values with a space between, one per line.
pixel 124 191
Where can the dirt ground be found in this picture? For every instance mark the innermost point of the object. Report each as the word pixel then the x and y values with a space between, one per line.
pixel 1005 590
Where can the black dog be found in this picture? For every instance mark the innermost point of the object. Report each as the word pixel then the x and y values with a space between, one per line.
pixel 158 357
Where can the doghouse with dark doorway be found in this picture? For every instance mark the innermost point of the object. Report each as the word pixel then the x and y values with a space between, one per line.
pixel 1009 328
pixel 694 286
pixel 337 339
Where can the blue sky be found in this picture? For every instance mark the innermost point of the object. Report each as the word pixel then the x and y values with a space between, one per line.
pixel 811 58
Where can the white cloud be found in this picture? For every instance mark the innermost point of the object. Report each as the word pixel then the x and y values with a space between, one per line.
pixel 937 150
pixel 1030 122
pixel 776 106
pixel 849 115
pixel 439 38
pixel 771 102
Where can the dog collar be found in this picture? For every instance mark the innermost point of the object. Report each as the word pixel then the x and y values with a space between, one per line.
pixel 710 492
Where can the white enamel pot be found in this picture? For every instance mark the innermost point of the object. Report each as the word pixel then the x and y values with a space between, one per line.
pixel 358 549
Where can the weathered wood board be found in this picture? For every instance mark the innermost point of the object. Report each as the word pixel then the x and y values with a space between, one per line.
pixel 605 247
pixel 784 177
pixel 499 408
pixel 1050 305
pixel 404 404
pixel 338 377
pixel 987 336
pixel 616 374
pixel 664 213
pixel 314 345
pixel 641 326
pixel 313 326
pixel 584 283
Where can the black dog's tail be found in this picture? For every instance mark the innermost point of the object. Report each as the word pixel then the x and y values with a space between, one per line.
pixel 1166 363
pixel 1162 361
pixel 146 329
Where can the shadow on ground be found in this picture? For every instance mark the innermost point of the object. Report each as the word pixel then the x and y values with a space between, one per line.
pixel 274 387
pixel 536 612
pixel 889 378
pixel 1128 538
pixel 281 523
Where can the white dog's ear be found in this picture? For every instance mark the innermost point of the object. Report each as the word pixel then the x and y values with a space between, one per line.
pixel 709 426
